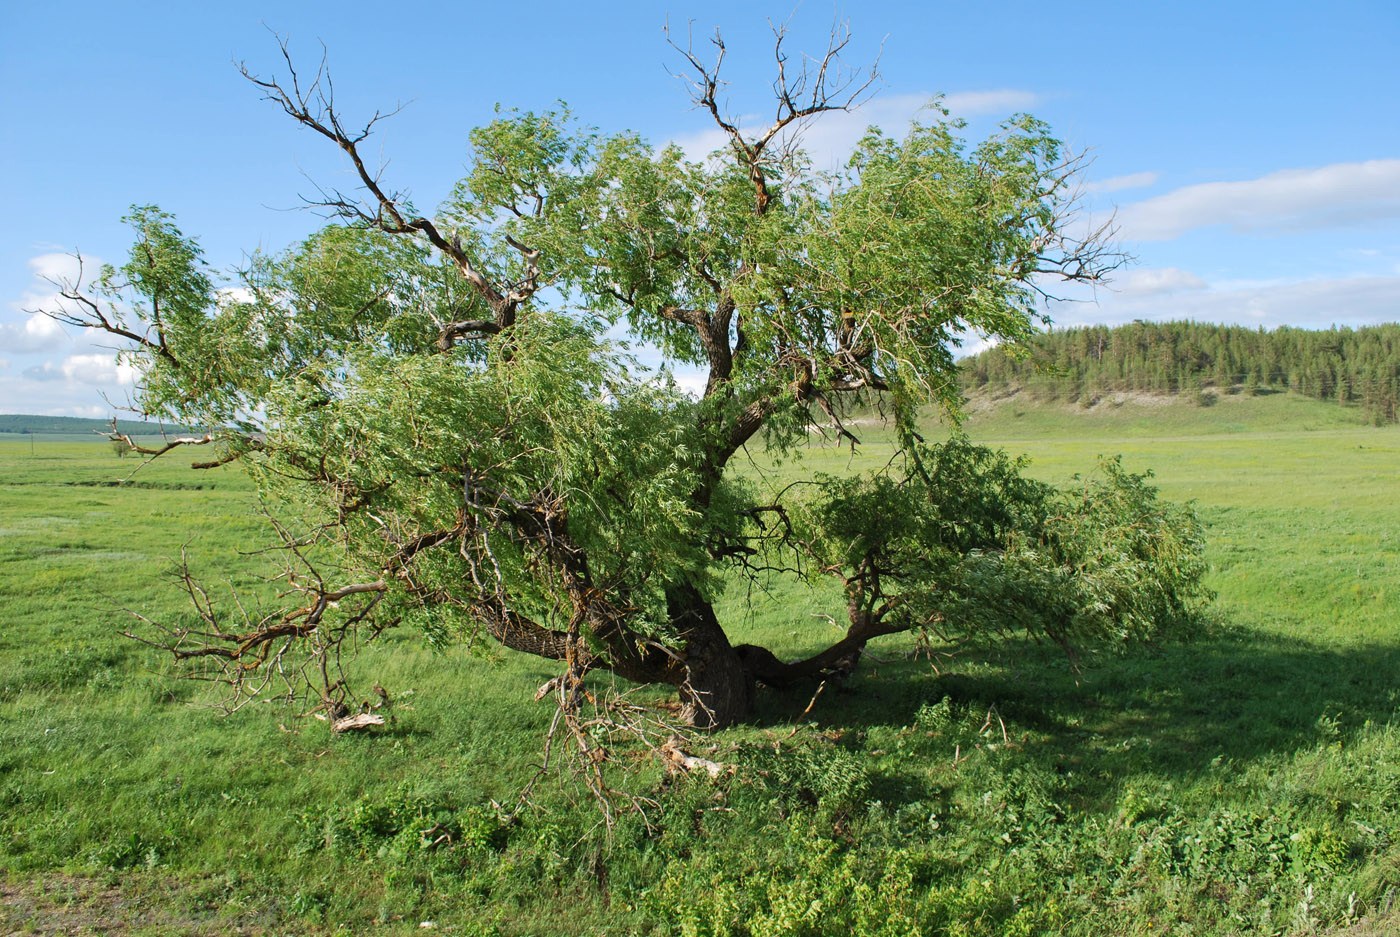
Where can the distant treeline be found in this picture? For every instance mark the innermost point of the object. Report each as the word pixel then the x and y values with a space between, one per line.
pixel 1351 366
pixel 27 423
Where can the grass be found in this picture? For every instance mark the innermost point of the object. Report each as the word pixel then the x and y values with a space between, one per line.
pixel 1246 783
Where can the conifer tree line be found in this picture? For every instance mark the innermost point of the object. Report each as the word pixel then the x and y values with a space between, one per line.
pixel 1351 366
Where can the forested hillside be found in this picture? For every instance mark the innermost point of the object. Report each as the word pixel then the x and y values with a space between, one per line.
pixel 1351 366
pixel 27 423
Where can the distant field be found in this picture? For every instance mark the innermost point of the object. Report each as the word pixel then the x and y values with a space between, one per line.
pixel 1247 783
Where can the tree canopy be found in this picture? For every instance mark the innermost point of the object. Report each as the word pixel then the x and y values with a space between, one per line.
pixel 447 431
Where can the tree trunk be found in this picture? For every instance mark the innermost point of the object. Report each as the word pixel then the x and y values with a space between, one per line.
pixel 716 691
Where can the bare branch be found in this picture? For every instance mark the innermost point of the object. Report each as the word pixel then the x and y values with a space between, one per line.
pixel 314 107
pixel 156 451
pixel 91 315
pixel 819 86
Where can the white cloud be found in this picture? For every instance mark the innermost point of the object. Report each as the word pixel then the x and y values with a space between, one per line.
pixel 1312 303
pixel 234 294
pixel 975 345
pixel 33 333
pixel 1288 200
pixel 61 268
pixel 84 383
pixel 830 137
pixel 1136 180
pixel 92 369
pixel 50 369
pixel 27 332
pixel 1160 280
pixel 691 381
pixel 58 398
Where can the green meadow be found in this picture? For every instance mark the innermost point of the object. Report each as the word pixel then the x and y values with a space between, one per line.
pixel 1245 783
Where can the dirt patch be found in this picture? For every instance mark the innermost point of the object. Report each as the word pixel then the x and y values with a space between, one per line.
pixel 1105 402
pixel 1385 924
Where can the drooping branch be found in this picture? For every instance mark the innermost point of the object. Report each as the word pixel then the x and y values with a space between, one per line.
pixel 247 651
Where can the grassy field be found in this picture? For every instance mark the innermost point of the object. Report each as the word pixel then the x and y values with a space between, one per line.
pixel 1247 783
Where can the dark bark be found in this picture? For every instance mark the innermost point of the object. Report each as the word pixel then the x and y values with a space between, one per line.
pixel 715 689
pixel 717 680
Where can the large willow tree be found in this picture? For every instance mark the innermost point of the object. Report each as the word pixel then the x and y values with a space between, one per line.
pixel 447 432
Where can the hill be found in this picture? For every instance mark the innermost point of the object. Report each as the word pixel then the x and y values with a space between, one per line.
pixel 1020 414
pixel 28 423
pixel 1360 367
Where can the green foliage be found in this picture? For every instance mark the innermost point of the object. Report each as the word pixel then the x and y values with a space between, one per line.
pixel 965 544
pixel 561 416
pixel 403 822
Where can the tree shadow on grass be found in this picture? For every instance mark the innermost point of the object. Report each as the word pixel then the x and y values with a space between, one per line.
pixel 1238 695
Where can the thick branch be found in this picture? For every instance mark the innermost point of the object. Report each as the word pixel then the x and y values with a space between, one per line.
pixel 765 666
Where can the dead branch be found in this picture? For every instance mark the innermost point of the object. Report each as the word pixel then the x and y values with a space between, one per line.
pixel 820 85
pixel 300 646
pixel 678 760
pixel 168 444
pixel 357 723
pixel 313 106
pixel 91 315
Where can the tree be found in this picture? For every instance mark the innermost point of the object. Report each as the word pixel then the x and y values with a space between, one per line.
pixel 445 434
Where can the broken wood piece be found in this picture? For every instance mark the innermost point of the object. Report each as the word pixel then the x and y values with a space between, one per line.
pixel 357 722
pixel 679 760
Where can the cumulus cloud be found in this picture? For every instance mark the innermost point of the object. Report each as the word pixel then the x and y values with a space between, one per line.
pixel 22 331
pixel 1136 180
pixel 690 381
pixel 830 138
pixel 1288 200
pixel 97 370
pixel 48 371
pixel 234 294
pixel 60 268
pixel 31 334
pixel 975 345
pixel 57 398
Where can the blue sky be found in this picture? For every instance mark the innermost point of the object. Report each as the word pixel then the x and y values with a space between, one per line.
pixel 1250 150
